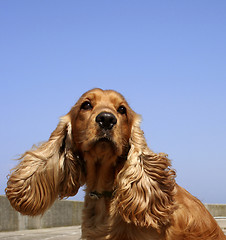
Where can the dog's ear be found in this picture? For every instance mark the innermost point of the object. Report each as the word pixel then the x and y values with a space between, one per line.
pixel 145 185
pixel 46 172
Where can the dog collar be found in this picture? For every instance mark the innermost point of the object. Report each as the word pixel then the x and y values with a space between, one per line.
pixel 96 195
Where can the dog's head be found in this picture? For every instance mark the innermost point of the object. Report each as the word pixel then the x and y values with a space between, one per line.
pixel 101 122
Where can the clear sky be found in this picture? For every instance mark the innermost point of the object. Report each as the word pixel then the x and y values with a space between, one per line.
pixel 168 58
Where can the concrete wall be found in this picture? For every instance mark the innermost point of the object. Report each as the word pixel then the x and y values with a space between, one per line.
pixel 217 210
pixel 62 213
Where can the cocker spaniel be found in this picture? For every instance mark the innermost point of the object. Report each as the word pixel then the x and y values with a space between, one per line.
pixel 131 192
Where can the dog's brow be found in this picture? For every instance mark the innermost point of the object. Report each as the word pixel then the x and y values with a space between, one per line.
pixel 90 96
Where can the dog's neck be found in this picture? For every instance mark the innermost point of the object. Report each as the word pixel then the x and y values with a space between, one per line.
pixel 102 165
pixel 100 171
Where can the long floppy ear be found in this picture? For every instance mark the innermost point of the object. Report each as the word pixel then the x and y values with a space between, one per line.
pixel 45 172
pixel 145 185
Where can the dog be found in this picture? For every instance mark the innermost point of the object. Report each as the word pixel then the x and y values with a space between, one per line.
pixel 131 193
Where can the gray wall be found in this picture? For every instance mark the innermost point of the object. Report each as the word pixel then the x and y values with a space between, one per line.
pixel 217 210
pixel 62 213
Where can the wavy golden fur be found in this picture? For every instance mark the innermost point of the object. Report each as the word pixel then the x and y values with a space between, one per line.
pixel 131 192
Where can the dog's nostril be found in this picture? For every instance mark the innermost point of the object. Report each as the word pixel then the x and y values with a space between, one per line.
pixel 106 120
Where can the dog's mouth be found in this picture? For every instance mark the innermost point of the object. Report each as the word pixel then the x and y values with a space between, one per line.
pixel 105 136
pixel 107 140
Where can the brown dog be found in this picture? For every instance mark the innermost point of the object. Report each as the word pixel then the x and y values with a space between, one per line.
pixel 131 192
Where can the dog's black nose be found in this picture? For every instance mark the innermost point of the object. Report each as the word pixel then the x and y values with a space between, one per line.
pixel 106 120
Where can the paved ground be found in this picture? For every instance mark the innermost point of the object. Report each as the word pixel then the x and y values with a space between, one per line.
pixel 62 233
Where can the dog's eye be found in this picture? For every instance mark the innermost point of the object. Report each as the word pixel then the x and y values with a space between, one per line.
pixel 86 105
pixel 122 110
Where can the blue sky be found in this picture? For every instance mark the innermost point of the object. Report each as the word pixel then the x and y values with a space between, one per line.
pixel 168 58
